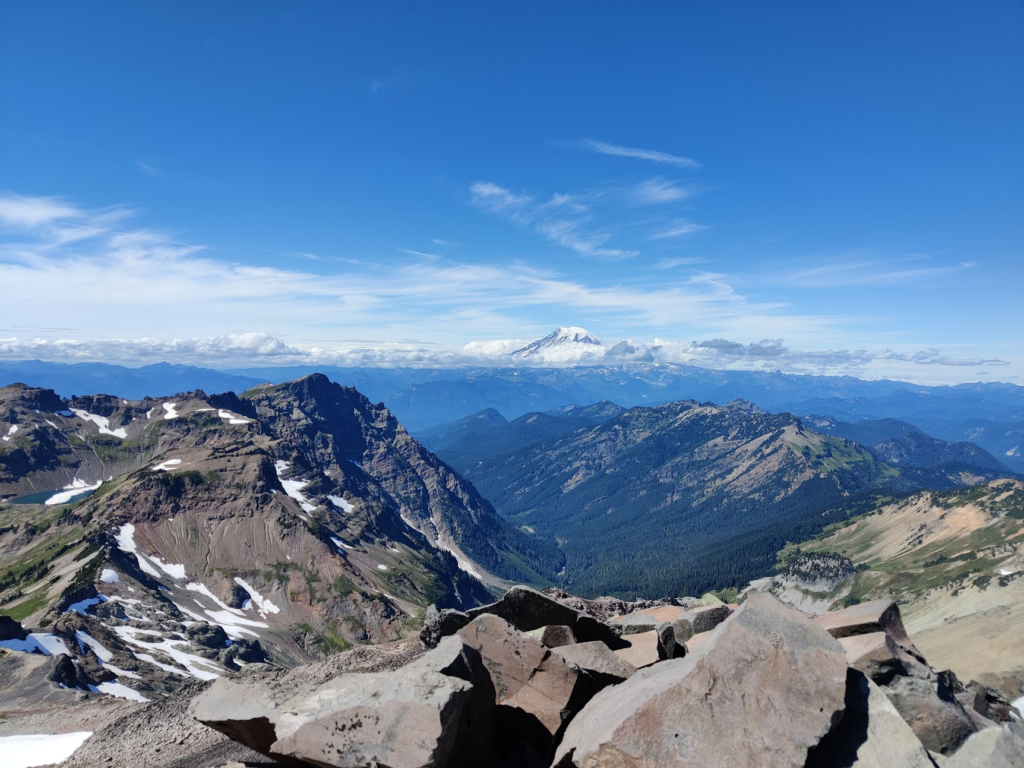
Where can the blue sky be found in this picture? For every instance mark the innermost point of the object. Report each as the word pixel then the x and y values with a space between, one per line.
pixel 222 183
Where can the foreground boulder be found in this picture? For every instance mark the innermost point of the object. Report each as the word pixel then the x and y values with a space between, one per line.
pixel 525 609
pixel 598 660
pixel 867 618
pixel 762 691
pixel 931 709
pixel 871 734
pixel 1001 747
pixel 428 713
pixel 535 689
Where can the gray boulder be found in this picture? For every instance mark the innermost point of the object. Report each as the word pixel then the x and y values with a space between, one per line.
pixel 1001 747
pixel 438 624
pixel 761 691
pixel 637 623
pixel 553 635
pixel 706 617
pixel 428 713
pixel 868 618
pixel 876 655
pixel 598 660
pixel 930 708
pixel 871 733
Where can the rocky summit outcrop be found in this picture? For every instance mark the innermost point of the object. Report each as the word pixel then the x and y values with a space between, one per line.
pixel 435 711
pixel 765 686
pixel 771 685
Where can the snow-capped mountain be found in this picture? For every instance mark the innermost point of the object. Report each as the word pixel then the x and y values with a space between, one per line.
pixel 563 345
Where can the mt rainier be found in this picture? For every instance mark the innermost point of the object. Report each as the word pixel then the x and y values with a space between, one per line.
pixel 566 344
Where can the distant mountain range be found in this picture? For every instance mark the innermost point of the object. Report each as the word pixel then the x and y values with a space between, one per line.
pixel 687 496
pixel 990 415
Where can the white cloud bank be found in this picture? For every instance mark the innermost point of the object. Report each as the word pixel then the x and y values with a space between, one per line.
pixel 144 296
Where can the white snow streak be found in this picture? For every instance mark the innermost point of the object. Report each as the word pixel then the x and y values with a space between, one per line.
pixel 102 422
pixel 171 413
pixel 263 605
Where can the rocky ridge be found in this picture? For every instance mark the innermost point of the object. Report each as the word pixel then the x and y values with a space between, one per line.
pixel 760 684
pixel 156 541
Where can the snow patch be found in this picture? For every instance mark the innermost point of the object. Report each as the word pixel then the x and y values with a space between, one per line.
pixel 119 690
pixel 40 748
pixel 77 488
pixel 37 642
pixel 149 414
pixel 122 672
pixel 125 538
pixel 195 666
pixel 108 576
pixel 1015 451
pixel 11 431
pixel 263 605
pixel 232 418
pixel 381 567
pixel 341 504
pixel 1004 572
pixel 166 465
pixel 82 606
pixel 102 422
pixel 170 412
pixel 85 639
pixel 293 487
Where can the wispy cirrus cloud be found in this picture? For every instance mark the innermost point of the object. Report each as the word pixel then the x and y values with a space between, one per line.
pixel 147 168
pixel 652 155
pixel 678 228
pixel 657 191
pixel 868 273
pixel 562 219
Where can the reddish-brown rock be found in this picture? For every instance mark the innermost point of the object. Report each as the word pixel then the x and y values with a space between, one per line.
pixel 763 691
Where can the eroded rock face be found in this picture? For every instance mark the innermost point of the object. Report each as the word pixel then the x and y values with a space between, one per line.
pixel 11 629
pixel 769 684
pixel 428 713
